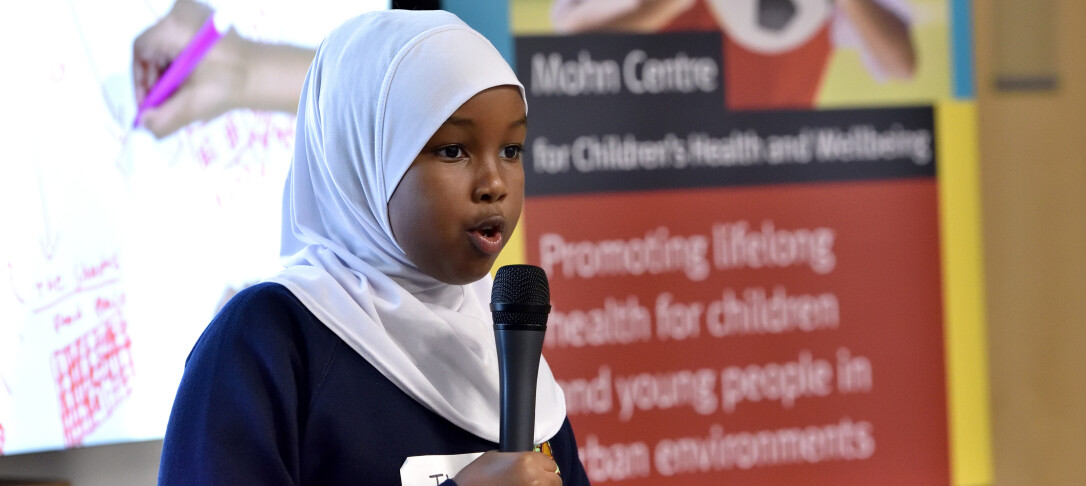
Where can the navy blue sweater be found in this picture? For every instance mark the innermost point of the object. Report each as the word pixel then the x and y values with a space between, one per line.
pixel 271 396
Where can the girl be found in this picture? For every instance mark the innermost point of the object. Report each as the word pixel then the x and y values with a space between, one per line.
pixel 371 359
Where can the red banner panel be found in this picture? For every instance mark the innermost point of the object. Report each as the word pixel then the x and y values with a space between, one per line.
pixel 779 334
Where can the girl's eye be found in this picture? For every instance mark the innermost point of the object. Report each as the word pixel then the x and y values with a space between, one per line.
pixel 511 151
pixel 451 152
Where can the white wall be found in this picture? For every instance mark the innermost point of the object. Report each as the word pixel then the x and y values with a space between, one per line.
pixel 124 464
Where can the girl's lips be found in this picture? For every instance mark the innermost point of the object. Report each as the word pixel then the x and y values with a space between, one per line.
pixel 487 236
pixel 489 242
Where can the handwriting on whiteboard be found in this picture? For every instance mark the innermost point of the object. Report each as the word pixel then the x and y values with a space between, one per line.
pixel 44 292
pixel 93 377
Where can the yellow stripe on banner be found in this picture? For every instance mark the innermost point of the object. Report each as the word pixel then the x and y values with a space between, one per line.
pixel 963 284
pixel 514 249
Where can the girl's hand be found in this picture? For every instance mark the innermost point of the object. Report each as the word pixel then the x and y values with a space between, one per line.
pixel 510 468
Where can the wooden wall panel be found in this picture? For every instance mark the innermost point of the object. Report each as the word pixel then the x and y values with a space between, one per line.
pixel 1033 170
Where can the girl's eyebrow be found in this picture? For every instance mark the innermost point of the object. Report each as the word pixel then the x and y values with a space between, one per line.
pixel 460 121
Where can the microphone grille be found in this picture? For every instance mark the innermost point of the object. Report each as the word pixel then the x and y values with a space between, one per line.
pixel 521 284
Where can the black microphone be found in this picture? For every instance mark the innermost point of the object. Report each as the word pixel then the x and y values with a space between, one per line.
pixel 520 302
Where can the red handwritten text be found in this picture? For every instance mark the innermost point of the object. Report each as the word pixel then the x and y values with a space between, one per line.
pixel 93 375
pixel 61 319
pixel 106 305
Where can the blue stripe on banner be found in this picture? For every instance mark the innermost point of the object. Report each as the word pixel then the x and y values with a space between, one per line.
pixel 490 18
pixel 961 24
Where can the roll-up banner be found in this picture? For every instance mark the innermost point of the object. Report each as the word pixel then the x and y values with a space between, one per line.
pixel 759 219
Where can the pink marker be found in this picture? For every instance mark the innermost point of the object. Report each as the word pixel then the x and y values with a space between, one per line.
pixel 181 67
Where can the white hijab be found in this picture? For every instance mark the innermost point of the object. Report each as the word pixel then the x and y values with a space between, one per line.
pixel 380 86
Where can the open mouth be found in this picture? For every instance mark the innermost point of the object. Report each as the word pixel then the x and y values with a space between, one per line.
pixel 487 236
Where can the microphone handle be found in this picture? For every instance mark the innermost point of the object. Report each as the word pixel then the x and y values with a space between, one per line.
pixel 519 349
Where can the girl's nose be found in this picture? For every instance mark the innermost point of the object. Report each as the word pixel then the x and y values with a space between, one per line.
pixel 490 185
